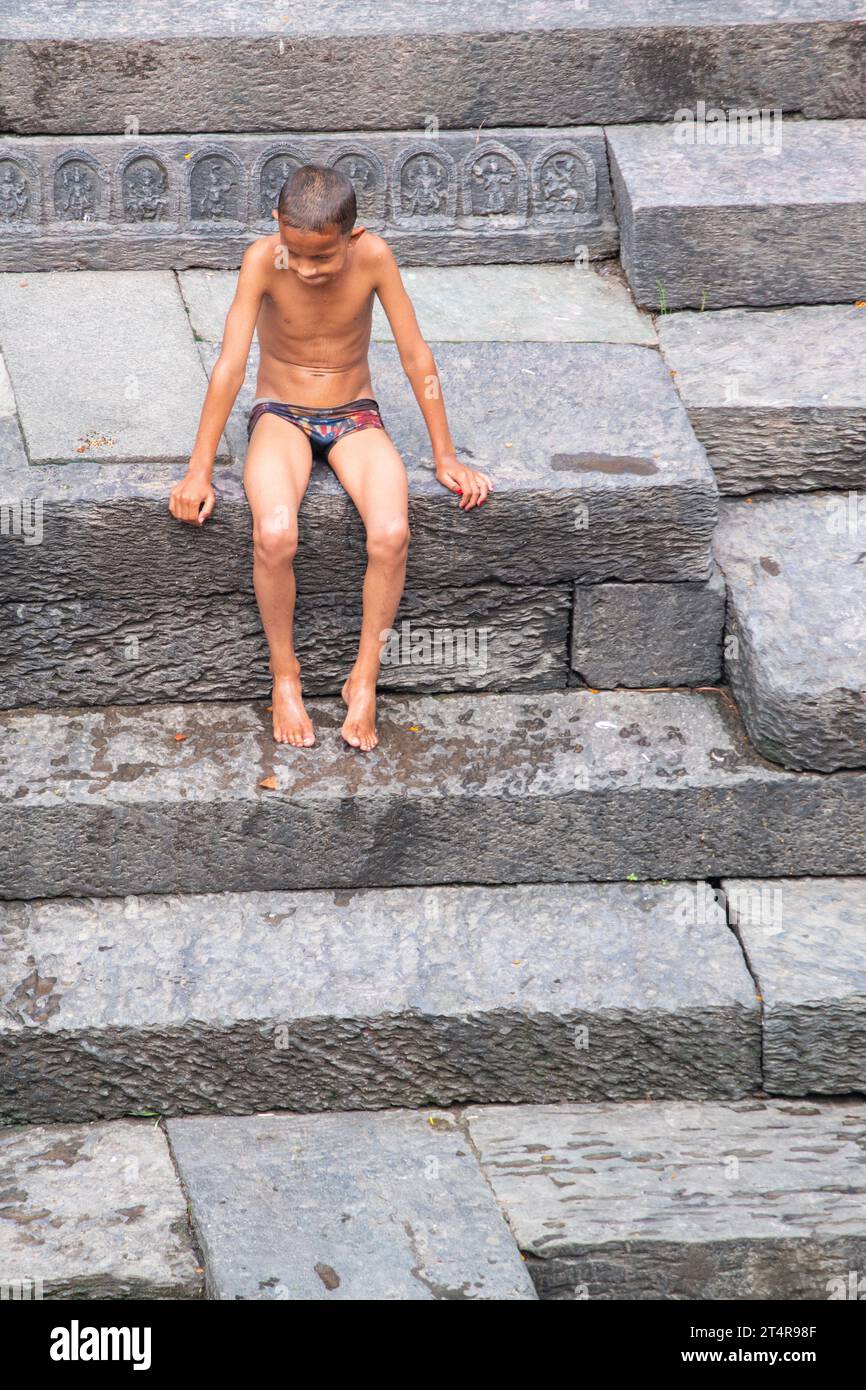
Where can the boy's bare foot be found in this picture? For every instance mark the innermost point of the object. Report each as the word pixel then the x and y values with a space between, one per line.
pixel 359 726
pixel 292 724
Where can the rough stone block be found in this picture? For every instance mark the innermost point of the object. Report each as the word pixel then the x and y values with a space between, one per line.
pixel 710 225
pixel 93 1211
pixel 185 66
pixel 484 788
pixel 389 1207
pixel 371 999
pixel 648 634
pixel 804 939
pixel 776 397
pixel 796 646
pixel 757 1200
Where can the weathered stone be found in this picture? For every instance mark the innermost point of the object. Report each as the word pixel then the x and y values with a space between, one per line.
pixel 756 1200
pixel 477 303
pixel 93 1211
pixel 388 1207
pixel 706 226
pixel 804 941
pixel 795 654
pixel 185 66
pixel 478 788
pixel 371 999
pixel 777 398
pixel 157 201
pixel 104 367
pixel 94 651
pixel 648 634
pixel 606 483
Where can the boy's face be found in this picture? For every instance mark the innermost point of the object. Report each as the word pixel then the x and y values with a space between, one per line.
pixel 316 257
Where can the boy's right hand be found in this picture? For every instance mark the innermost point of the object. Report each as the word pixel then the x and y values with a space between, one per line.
pixel 193 499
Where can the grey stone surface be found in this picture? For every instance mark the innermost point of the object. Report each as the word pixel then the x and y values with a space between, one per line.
pixel 648 634
pixel 607 482
pixel 104 367
pixel 484 788
pixel 777 397
pixel 805 943
pixel 475 303
pixel 372 999
pixel 388 1207
pixel 93 1211
pixel 796 581
pixel 756 1200
pixel 441 197
pixel 741 223
pixel 94 651
pixel 183 65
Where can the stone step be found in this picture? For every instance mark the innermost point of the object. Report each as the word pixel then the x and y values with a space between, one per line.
pixel 804 940
pixel 93 1211
pixel 193 66
pixel 572 303
pixel 464 788
pixel 745 1201
pixel 451 197
pixel 371 999
pixel 775 215
pixel 795 655
pixel 605 482
pixel 386 1207
pixel 776 397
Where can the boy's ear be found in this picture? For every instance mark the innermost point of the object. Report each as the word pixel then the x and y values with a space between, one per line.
pixel 275 215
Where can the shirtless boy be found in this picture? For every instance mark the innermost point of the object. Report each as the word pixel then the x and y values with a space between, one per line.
pixel 309 291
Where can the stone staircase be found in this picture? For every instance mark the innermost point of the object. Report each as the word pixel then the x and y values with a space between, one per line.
pixel 561 992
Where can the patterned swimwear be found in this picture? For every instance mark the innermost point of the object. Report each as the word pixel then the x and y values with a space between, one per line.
pixel 322 427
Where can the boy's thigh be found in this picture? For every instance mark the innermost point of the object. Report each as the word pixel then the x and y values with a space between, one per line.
pixel 372 472
pixel 277 469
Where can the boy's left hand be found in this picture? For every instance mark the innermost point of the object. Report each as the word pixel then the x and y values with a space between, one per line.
pixel 473 484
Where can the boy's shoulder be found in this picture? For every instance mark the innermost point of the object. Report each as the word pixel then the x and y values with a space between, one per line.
pixel 374 249
pixel 261 251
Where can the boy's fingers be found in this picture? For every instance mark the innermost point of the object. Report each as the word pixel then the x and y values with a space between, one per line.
pixel 209 504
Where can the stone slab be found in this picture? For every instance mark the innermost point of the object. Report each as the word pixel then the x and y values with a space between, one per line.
pixel 93 1211
pixel 100 651
pixel 440 197
pixel 605 483
pixel 709 226
pixel 463 788
pixel 372 999
pixel 477 303
pixel 755 1200
pixel 805 939
pixel 648 634
pixel 186 65
pixel 103 367
pixel 777 397
pixel 796 647
pixel 385 1207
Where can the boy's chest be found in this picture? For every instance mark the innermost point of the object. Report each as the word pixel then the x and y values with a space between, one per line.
pixel 296 311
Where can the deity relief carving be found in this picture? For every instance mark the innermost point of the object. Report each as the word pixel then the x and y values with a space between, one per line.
pixel 565 185
pixel 368 176
pixel 214 189
pixel 495 183
pixel 144 189
pixel 274 168
pixel 424 185
pixel 77 189
pixel 15 192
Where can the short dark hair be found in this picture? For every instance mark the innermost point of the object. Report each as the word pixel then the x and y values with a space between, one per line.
pixel 315 197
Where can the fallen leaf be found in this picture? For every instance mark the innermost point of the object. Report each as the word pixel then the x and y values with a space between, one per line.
pixel 414 729
pixel 858 303
pixel 179 738
pixel 269 784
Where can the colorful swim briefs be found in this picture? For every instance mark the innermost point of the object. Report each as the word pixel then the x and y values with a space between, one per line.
pixel 322 427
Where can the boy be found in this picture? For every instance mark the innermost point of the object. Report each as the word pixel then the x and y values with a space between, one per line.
pixel 309 292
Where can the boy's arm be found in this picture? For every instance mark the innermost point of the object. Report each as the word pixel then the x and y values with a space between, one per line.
pixel 420 367
pixel 193 499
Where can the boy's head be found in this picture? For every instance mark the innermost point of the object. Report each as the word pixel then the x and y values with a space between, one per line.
pixel 316 219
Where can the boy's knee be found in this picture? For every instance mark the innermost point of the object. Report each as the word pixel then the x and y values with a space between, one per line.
pixel 389 541
pixel 275 542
